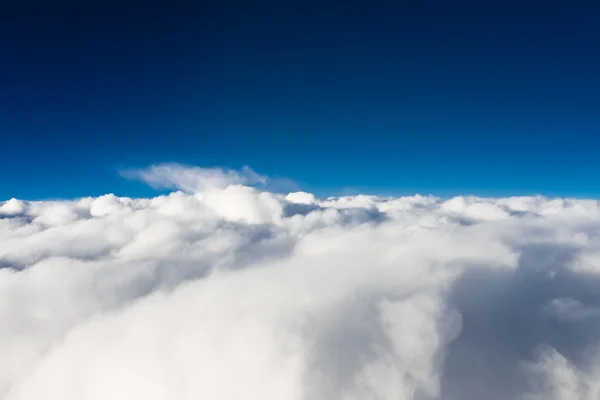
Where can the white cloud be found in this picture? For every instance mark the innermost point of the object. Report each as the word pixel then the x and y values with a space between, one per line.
pixel 225 291
pixel 11 207
pixel 194 179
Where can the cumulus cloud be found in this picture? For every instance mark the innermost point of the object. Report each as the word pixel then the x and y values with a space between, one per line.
pixel 223 290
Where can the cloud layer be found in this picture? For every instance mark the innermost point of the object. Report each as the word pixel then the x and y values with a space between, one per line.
pixel 223 291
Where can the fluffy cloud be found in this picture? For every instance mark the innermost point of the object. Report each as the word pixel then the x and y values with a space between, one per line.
pixel 223 291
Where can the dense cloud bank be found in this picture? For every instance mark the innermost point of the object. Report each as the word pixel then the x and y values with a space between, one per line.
pixel 224 291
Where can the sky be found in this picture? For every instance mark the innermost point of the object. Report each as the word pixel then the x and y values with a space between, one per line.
pixel 216 200
pixel 387 97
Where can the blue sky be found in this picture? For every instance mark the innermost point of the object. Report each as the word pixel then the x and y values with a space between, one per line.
pixel 385 97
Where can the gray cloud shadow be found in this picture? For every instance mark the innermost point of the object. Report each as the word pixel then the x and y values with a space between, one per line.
pixel 505 325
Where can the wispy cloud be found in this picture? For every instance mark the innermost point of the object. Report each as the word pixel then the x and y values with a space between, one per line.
pixel 194 179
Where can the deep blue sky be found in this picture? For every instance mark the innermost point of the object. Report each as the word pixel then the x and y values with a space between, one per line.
pixel 398 96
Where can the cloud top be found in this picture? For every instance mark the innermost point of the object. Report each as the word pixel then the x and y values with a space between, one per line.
pixel 223 290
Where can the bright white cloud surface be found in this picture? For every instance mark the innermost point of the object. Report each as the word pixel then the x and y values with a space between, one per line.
pixel 223 291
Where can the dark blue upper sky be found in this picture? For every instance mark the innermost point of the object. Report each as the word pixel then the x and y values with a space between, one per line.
pixel 435 96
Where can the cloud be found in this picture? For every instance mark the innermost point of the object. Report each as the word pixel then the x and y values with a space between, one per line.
pixel 223 290
pixel 193 179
